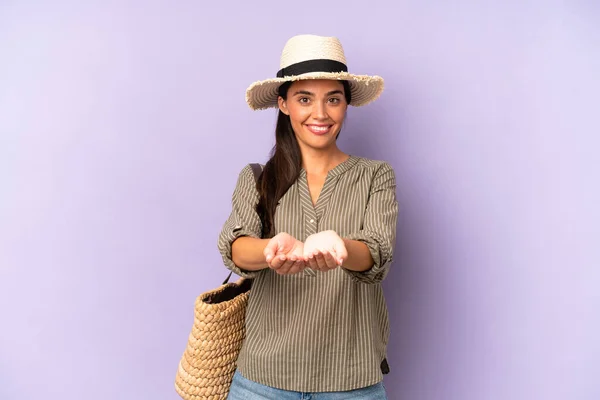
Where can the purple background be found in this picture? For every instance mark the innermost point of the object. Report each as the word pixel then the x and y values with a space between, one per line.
pixel 123 127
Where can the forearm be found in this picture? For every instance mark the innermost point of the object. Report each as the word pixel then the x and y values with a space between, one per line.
pixel 359 257
pixel 248 253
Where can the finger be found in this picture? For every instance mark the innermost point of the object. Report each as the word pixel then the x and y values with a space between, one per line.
pixel 269 254
pixel 293 259
pixel 333 254
pixel 341 254
pixel 318 260
pixel 330 261
pixel 277 262
pixel 311 262
pixel 285 267
pixel 307 254
pixel 297 267
pixel 321 264
pixel 271 249
pixel 303 266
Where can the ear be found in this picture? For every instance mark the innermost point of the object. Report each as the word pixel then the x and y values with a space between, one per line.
pixel 283 105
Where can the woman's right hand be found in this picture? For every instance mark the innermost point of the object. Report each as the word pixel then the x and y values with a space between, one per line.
pixel 285 254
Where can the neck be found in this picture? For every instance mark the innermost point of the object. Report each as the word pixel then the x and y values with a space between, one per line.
pixel 320 162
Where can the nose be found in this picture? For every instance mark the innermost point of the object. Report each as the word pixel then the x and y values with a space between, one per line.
pixel 320 110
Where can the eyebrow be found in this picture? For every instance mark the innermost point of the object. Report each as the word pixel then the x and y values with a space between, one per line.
pixel 307 93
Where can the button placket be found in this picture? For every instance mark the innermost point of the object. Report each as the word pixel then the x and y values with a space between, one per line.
pixel 310 220
pixel 310 227
pixel 311 224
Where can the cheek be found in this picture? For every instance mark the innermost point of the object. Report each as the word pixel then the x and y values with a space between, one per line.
pixel 299 114
pixel 338 114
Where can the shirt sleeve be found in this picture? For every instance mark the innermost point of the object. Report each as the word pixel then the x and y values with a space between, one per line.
pixel 243 220
pixel 379 227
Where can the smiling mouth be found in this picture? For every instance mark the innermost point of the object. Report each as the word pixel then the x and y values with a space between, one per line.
pixel 319 129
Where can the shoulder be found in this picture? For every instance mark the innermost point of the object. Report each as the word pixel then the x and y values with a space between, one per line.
pixel 248 171
pixel 246 182
pixel 375 167
pixel 377 175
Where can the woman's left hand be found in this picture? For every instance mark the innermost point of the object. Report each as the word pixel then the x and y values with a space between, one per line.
pixel 324 251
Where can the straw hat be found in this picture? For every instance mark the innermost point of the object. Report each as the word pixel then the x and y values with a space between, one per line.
pixel 313 57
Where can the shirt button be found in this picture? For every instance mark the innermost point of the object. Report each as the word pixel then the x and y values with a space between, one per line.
pixel 312 220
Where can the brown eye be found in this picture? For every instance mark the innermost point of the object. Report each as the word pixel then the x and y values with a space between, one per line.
pixel 334 100
pixel 303 100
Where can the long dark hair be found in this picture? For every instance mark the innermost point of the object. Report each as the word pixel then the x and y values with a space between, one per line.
pixel 283 168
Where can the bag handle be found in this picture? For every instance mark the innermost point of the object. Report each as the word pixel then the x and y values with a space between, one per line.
pixel 256 170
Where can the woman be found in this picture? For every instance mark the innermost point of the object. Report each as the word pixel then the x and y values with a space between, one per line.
pixel 317 234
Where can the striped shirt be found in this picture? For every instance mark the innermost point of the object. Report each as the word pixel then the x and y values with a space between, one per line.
pixel 319 331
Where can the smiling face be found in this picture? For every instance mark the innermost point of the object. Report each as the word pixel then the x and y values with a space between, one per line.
pixel 317 109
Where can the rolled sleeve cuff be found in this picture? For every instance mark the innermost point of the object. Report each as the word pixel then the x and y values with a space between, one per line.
pixel 381 261
pixel 225 243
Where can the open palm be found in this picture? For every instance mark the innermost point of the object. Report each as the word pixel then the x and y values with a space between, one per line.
pixel 324 251
pixel 285 254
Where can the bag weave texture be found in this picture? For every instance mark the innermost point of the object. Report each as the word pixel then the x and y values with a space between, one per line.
pixel 209 361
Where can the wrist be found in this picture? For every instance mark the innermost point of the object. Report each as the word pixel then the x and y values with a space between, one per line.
pixel 359 256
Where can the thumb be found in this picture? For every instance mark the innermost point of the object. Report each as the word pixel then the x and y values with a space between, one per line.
pixel 341 252
pixel 271 249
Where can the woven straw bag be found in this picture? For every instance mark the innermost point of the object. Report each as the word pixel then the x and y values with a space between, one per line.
pixel 209 361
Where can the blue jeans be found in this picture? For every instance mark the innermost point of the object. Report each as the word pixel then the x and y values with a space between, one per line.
pixel 245 389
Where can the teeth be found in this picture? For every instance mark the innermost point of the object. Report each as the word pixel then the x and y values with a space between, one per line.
pixel 319 128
